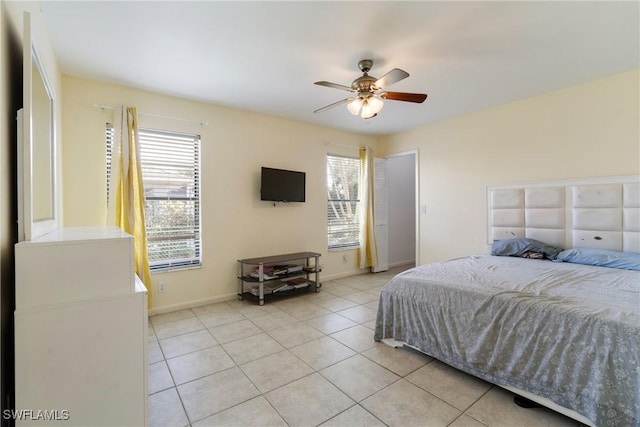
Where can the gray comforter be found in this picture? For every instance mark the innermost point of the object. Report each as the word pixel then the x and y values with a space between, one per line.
pixel 566 332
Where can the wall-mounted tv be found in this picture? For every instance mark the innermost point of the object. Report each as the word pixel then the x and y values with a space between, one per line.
pixel 280 185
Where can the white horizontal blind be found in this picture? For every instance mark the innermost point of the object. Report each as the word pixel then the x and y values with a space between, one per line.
pixel 171 174
pixel 343 204
pixel 109 148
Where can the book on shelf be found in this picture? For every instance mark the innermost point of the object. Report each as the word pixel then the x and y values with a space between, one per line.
pixel 281 286
pixel 265 276
pixel 279 270
pixel 298 283
pixel 268 288
pixel 273 271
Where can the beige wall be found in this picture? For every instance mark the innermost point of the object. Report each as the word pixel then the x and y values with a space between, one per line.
pixel 235 144
pixel 589 130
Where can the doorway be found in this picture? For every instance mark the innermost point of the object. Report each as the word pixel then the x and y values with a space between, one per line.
pixel 396 210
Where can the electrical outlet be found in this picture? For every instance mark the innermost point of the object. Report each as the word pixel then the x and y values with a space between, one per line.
pixel 162 287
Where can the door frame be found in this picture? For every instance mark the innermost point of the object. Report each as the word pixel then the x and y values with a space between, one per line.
pixel 416 197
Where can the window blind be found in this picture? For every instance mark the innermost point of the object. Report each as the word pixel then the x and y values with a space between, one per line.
pixel 109 148
pixel 170 165
pixel 343 204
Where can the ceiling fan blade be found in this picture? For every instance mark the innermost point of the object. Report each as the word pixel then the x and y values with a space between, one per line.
pixel 335 86
pixel 403 96
pixel 393 76
pixel 335 104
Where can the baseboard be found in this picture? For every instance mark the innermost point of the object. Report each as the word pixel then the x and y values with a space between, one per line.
pixel 229 297
pixel 191 304
pixel 401 263
pixel 326 278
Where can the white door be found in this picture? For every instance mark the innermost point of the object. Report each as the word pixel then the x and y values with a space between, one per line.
pixel 380 213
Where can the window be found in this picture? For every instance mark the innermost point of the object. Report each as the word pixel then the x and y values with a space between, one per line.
pixel 171 174
pixel 170 165
pixel 109 141
pixel 343 177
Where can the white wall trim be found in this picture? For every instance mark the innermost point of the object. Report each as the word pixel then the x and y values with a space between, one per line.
pixel 401 263
pixel 234 296
pixel 191 304
pixel 326 278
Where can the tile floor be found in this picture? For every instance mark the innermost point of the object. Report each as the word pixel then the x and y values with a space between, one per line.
pixel 310 360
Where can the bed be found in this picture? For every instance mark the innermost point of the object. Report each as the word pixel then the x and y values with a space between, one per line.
pixel 561 328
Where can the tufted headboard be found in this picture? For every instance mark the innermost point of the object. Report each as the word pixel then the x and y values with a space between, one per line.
pixel 595 213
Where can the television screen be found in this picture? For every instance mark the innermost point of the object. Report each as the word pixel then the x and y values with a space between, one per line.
pixel 279 185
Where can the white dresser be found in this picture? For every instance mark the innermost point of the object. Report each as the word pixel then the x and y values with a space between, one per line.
pixel 80 330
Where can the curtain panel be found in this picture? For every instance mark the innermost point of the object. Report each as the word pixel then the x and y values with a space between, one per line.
pixel 368 253
pixel 127 203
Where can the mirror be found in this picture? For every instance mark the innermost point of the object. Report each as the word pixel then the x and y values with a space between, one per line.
pixel 37 210
pixel 41 146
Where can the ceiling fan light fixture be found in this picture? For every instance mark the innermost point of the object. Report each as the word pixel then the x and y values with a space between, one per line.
pixel 355 106
pixel 367 97
pixel 371 106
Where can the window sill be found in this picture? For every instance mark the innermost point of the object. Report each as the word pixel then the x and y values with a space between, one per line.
pixel 172 269
pixel 344 248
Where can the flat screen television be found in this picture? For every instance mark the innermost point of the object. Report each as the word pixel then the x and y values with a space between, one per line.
pixel 280 185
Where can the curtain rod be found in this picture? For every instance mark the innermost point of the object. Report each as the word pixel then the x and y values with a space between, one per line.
pixel 343 145
pixel 109 107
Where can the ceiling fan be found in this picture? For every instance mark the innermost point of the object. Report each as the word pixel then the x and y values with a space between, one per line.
pixel 368 92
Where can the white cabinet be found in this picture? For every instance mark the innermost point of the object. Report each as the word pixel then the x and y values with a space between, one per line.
pixel 80 330
pixel 74 264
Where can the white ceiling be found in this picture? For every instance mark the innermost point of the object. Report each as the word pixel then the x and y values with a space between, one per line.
pixel 265 56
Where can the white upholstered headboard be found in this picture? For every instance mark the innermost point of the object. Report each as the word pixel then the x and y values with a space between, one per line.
pixel 595 213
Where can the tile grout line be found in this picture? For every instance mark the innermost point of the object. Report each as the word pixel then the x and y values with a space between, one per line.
pixel 268 333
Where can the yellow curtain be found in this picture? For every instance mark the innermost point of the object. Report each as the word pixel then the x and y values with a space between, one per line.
pixel 129 206
pixel 368 253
